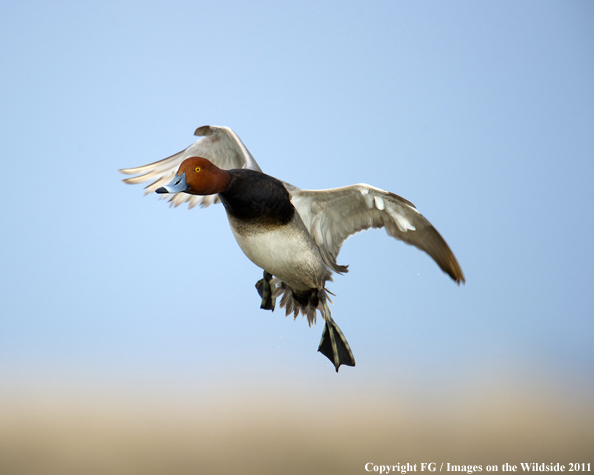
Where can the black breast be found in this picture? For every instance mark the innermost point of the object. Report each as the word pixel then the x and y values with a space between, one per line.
pixel 258 198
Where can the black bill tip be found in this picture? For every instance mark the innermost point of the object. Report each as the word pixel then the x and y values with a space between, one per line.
pixel 161 190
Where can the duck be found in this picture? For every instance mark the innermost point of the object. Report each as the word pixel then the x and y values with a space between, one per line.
pixel 294 235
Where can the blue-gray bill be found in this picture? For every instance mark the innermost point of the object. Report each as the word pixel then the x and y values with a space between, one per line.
pixel 176 185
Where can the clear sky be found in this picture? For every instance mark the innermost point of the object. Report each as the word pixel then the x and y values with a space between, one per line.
pixel 480 113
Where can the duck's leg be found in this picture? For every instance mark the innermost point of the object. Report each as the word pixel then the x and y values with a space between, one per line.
pixel 333 344
pixel 265 290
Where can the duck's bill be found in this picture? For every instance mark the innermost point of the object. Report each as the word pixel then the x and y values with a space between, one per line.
pixel 175 186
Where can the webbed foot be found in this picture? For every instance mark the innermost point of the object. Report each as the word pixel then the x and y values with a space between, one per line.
pixel 265 290
pixel 334 345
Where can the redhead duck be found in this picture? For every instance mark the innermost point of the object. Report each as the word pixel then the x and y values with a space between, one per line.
pixel 294 235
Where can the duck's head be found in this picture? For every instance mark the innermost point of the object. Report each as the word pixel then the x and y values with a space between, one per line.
pixel 197 176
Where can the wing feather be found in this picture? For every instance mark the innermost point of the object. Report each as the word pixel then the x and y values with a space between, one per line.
pixel 220 145
pixel 331 216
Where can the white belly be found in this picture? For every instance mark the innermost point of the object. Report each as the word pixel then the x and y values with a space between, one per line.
pixel 287 252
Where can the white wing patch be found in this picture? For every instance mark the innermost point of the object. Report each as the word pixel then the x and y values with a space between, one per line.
pixel 379 203
pixel 369 200
pixel 401 221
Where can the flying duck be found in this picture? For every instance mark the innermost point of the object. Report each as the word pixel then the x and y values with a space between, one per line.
pixel 294 235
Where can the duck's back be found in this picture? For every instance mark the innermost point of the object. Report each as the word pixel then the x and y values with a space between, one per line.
pixel 270 231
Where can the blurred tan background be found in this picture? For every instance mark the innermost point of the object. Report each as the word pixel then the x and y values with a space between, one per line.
pixel 261 429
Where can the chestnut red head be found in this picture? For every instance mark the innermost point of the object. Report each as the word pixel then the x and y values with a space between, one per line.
pixel 198 176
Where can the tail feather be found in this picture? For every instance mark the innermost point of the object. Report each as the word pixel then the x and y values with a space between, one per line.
pixel 305 304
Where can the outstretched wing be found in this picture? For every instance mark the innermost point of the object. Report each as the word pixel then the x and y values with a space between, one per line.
pixel 220 145
pixel 331 216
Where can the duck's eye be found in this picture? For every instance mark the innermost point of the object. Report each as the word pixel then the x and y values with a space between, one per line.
pixel 197 169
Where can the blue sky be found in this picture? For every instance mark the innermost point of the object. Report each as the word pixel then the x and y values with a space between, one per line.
pixel 480 113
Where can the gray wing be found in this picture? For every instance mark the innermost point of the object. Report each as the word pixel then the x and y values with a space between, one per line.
pixel 331 216
pixel 220 145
